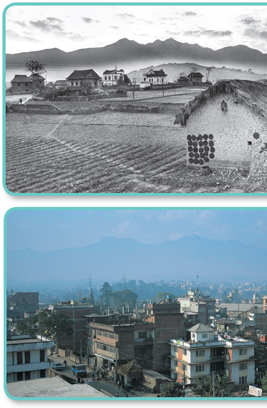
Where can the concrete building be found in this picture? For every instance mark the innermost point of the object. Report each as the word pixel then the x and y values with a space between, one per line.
pixel 196 303
pixel 52 387
pixel 204 353
pixel 27 358
pixel 20 305
pixel 76 313
pixel 145 340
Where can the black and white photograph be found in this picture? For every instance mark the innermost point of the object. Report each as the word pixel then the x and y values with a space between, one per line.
pixel 135 99
pixel 136 304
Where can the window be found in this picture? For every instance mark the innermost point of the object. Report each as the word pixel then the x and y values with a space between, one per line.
pixel 77 83
pixel 142 335
pixel 243 380
pixel 243 366
pixel 200 368
pixel 27 375
pixel 18 84
pixel 42 373
pixel 19 357
pixel 242 352
pixel 19 376
pixel 115 77
pixel 106 78
pixel 184 352
pixel 26 83
pixel 42 355
pixel 200 353
pixel 27 357
pixel 205 335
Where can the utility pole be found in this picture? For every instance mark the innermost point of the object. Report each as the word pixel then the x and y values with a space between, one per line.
pixel 213 389
pixel 81 351
pixel 184 380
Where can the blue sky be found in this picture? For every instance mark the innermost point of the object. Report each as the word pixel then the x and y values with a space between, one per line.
pixel 51 229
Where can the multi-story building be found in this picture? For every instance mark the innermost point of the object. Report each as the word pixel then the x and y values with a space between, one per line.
pixel 203 306
pixel 76 313
pixel 27 358
pixel 146 340
pixel 205 353
pixel 20 305
pixel 113 77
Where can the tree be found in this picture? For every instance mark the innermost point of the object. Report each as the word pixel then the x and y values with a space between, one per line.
pixel 51 326
pixel 106 291
pixel 172 390
pixel 212 387
pixel 134 79
pixel 35 67
pixel 264 383
pixel 123 297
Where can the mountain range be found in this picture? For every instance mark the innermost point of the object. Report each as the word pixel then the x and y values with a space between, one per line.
pixel 110 258
pixel 128 53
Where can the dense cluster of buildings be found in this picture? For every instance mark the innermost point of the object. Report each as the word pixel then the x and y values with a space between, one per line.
pixel 181 339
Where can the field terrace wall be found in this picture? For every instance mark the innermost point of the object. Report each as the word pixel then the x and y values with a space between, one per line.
pixel 230 138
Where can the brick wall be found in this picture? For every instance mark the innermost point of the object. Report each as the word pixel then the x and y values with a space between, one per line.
pixel 231 131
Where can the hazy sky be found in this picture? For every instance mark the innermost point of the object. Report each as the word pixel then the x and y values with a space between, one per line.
pixel 51 229
pixel 74 27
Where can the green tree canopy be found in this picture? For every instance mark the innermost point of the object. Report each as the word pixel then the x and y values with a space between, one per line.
pixel 172 390
pixel 106 291
pixel 207 387
pixel 52 326
pixel 126 296
pixel 264 383
pixel 161 296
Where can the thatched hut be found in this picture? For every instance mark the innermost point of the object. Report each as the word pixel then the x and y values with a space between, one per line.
pixel 222 124
pixel 130 373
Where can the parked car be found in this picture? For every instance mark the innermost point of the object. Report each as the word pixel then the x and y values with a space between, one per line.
pixel 79 370
pixel 58 367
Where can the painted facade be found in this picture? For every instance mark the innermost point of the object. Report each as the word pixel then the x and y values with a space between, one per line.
pixel 27 358
pixel 205 353
pixel 112 77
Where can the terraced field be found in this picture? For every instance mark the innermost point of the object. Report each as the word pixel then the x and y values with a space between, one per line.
pixel 107 152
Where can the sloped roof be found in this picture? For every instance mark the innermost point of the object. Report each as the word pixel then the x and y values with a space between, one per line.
pixel 131 369
pixel 21 78
pixel 153 73
pixel 36 76
pixel 252 94
pixel 113 71
pixel 201 328
pixel 196 75
pixel 83 74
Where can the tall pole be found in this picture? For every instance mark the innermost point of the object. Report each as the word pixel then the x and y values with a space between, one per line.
pixel 184 380
pixel 213 389
pixel 81 351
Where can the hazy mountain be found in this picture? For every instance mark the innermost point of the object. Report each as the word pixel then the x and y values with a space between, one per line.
pixel 127 53
pixel 111 258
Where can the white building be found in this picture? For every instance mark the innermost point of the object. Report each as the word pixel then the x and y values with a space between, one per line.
pixel 205 353
pixel 27 358
pixel 113 77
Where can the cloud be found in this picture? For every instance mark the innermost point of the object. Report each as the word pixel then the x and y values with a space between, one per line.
pixel 13 35
pixel 115 27
pixel 75 37
pixel 249 20
pixel 125 15
pixel 49 24
pixel 88 20
pixel 252 33
pixel 174 236
pixel 209 33
pixel 122 227
pixel 189 13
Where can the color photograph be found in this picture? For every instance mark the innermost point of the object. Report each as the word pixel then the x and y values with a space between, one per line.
pixel 136 304
pixel 135 99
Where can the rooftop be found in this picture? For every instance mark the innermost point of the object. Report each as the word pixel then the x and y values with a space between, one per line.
pixel 83 74
pixel 53 387
pixel 201 328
